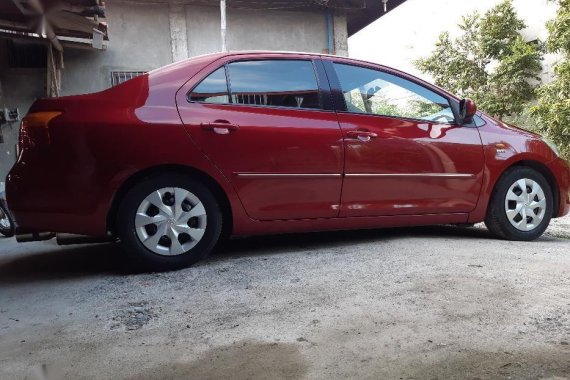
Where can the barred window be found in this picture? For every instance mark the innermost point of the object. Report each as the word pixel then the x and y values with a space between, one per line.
pixel 118 77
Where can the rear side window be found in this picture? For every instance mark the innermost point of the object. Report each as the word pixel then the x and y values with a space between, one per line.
pixel 276 83
pixel 213 89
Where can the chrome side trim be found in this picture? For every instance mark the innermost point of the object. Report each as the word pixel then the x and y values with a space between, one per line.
pixel 287 175
pixel 360 175
pixel 411 175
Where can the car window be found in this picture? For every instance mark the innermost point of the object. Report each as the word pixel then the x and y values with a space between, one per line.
pixel 379 93
pixel 213 89
pixel 278 83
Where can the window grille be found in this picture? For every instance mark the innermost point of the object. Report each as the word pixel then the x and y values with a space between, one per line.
pixel 118 77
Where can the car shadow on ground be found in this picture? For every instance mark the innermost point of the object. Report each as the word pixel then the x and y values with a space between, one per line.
pixel 56 263
pixel 273 244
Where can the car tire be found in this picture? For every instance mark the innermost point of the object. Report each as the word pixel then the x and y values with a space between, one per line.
pixel 7 227
pixel 141 217
pixel 520 214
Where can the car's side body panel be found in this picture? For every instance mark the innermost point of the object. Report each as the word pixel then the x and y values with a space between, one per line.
pixel 505 146
pixel 99 142
pixel 102 140
pixel 410 167
pixel 284 163
pixel 519 146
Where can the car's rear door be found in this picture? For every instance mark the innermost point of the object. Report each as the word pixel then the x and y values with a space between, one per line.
pixel 405 154
pixel 269 126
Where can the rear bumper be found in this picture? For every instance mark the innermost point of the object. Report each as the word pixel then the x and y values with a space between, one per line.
pixel 42 201
pixel 561 171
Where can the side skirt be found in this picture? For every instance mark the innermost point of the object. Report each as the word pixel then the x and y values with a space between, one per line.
pixel 254 227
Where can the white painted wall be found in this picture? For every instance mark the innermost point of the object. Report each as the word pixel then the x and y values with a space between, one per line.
pixel 410 31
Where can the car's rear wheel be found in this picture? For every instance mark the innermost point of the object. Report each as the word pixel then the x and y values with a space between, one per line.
pixel 521 206
pixel 6 222
pixel 168 222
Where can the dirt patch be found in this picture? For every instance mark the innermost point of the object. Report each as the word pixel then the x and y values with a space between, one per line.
pixel 554 324
pixel 134 316
pixel 560 227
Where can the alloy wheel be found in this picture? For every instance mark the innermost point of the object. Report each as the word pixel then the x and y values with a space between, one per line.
pixel 525 204
pixel 170 221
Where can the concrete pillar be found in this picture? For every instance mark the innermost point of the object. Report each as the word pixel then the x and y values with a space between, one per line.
pixel 178 35
pixel 340 35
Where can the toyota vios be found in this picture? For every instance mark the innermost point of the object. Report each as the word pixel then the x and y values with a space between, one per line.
pixel 238 144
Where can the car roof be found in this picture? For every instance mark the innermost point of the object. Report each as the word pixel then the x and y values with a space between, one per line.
pixel 291 54
pixel 274 53
pixel 285 53
pixel 336 58
pixel 277 52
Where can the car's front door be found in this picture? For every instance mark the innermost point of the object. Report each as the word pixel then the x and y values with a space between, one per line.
pixel 262 123
pixel 404 152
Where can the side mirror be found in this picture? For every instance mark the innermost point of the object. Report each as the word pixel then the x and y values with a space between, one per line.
pixel 467 109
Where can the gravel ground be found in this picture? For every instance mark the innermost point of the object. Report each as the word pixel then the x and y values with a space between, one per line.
pixel 410 303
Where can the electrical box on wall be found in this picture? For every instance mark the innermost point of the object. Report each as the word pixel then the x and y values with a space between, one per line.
pixel 11 115
pixel 8 115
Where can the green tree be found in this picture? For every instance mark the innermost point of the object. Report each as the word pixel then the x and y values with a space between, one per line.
pixel 489 62
pixel 552 113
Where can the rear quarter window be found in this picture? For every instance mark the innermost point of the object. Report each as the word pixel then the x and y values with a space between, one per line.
pixel 213 89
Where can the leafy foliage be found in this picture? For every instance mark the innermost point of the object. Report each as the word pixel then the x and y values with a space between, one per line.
pixel 490 62
pixel 552 113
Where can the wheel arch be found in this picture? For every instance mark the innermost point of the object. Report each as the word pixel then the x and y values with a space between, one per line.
pixel 141 175
pixel 542 169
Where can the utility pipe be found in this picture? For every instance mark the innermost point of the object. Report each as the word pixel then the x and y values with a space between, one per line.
pixel 223 24
pixel 330 31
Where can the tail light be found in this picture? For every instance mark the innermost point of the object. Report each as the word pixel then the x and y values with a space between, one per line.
pixel 34 130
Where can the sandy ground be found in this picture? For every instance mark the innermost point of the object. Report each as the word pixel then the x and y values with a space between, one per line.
pixel 412 303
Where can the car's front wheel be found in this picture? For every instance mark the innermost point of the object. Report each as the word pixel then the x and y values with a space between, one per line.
pixel 168 222
pixel 521 206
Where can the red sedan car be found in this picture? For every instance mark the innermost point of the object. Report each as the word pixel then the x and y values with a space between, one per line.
pixel 258 143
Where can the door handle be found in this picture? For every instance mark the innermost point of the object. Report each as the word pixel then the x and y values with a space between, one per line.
pixel 221 127
pixel 364 136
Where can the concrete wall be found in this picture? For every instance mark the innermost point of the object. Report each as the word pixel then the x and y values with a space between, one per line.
pixel 20 87
pixel 255 30
pixel 148 36
pixel 140 41
pixel 410 31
